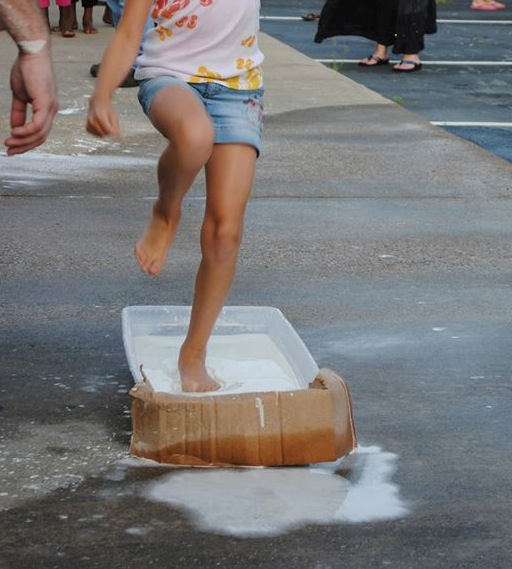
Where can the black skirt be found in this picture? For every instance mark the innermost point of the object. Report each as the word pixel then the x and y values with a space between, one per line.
pixel 401 23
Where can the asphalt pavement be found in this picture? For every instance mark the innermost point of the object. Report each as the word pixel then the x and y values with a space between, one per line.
pixel 385 240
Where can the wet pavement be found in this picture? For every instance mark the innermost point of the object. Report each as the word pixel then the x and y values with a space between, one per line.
pixel 386 242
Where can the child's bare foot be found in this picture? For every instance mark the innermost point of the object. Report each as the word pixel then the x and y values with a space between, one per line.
pixel 151 249
pixel 194 377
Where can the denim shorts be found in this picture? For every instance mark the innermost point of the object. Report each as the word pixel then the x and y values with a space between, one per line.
pixel 237 115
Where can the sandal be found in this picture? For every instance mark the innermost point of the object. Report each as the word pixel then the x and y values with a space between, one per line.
pixel 378 61
pixel 416 66
pixel 68 34
pixel 311 17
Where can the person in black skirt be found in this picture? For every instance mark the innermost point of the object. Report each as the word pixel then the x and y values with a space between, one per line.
pixel 399 25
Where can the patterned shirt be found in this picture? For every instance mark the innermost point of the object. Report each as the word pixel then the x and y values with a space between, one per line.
pixel 204 40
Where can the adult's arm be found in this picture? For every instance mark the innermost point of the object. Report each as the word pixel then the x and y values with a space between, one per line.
pixel 32 75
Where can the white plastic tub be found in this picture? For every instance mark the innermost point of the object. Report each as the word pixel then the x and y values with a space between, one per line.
pixel 168 324
pixel 307 423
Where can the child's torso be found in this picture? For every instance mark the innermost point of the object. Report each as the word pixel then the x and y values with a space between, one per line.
pixel 204 40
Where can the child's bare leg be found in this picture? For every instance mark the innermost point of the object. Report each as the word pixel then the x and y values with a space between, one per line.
pixel 151 249
pixel 229 176
pixel 179 116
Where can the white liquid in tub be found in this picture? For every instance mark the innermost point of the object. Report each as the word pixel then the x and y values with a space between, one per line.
pixel 241 363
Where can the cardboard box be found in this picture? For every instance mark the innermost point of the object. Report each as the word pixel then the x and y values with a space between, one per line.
pixel 313 423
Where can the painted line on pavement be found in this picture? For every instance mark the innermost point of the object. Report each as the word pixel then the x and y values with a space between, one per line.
pixel 463 22
pixel 473 123
pixel 498 22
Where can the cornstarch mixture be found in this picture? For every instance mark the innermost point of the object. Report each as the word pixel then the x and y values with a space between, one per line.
pixel 241 363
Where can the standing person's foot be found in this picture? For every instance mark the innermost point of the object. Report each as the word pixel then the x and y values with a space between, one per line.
pixel 107 17
pixel 407 66
pixel 64 32
pixel 87 23
pixel 374 61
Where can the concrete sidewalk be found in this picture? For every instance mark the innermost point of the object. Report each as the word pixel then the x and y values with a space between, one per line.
pixel 384 240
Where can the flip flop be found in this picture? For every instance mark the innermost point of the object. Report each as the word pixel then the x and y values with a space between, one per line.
pixel 416 66
pixel 378 61
pixel 68 34
pixel 311 17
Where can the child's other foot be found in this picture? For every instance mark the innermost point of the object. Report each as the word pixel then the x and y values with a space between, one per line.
pixel 151 249
pixel 194 377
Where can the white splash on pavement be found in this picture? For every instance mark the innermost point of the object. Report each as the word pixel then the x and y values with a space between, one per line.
pixel 56 166
pixel 271 501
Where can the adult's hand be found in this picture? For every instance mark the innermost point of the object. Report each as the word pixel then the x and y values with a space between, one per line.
pixel 34 100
